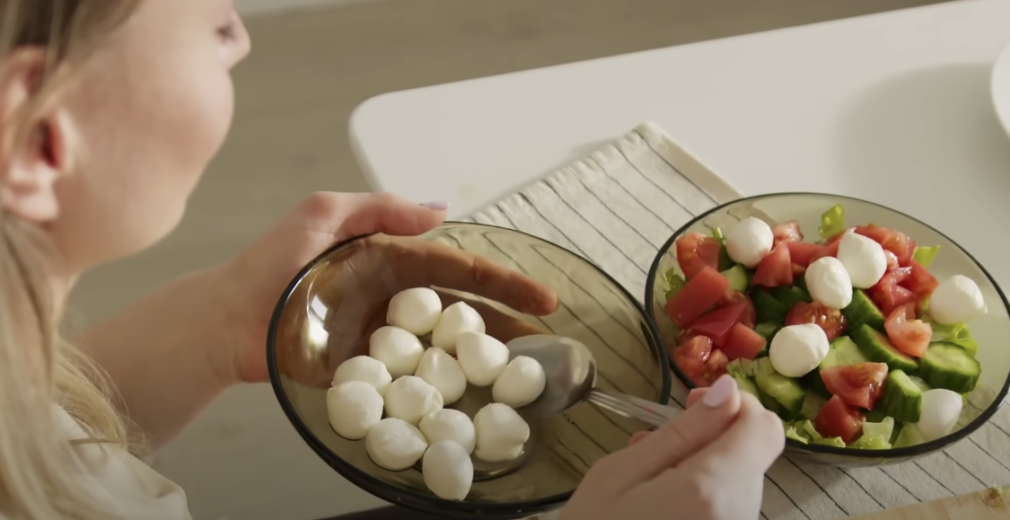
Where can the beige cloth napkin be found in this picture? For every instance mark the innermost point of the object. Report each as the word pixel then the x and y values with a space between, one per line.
pixel 617 206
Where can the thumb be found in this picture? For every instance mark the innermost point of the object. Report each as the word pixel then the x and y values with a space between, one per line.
pixel 685 434
pixel 362 214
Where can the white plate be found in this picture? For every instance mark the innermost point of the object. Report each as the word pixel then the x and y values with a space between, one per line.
pixel 1001 88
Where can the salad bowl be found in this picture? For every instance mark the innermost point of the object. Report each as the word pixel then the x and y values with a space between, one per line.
pixel 848 405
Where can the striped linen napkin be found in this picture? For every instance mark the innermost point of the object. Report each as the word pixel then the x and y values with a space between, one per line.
pixel 616 207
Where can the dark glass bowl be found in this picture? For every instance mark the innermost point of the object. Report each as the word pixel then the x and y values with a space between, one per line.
pixel 324 317
pixel 992 331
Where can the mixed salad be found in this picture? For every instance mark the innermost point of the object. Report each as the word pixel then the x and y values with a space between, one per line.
pixel 850 339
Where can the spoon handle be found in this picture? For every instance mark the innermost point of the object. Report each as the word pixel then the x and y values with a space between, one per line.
pixel 653 414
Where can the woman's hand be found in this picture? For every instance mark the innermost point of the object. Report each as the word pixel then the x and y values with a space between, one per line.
pixel 706 464
pixel 362 287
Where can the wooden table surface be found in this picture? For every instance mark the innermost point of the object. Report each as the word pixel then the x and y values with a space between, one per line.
pixel 992 504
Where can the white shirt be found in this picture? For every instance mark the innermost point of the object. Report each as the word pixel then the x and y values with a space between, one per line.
pixel 125 482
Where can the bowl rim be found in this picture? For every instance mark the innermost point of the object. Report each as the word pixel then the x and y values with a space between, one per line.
pixel 406 497
pixel 892 453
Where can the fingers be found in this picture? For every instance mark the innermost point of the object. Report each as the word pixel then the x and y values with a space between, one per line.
pixel 637 437
pixel 443 266
pixel 350 215
pixel 751 444
pixel 696 395
pixel 682 436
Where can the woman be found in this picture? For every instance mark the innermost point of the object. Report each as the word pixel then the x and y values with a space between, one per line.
pixel 111 110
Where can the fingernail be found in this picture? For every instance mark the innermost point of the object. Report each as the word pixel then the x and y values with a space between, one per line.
pixel 440 205
pixel 720 392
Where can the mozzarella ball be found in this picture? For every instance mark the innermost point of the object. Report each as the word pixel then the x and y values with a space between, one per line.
pixel 415 310
pixel 863 258
pixel 443 372
pixel 482 358
pixel 521 383
pixel 354 408
pixel 364 368
pixel 449 425
pixel 829 282
pixel 748 241
pixel 456 319
pixel 501 433
pixel 410 398
pixel 798 349
pixel 395 444
pixel 941 409
pixel 397 348
pixel 957 299
pixel 447 470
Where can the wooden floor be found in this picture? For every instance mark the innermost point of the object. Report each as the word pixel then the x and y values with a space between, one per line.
pixel 308 72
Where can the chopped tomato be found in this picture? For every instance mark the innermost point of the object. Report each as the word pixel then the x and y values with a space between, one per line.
pixel 696 251
pixel 717 323
pixel 697 296
pixel 749 315
pixel 775 269
pixel 908 334
pixel 920 281
pixel 804 253
pixel 788 232
pixel 742 342
pixel 715 367
pixel 831 320
pixel 837 419
pixel 859 385
pixel 894 241
pixel 892 261
pixel 889 295
pixel 692 356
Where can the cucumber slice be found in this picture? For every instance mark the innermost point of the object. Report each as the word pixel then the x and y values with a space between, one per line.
pixel 920 383
pixel 786 391
pixel 862 311
pixel 768 309
pixel 951 367
pixel 790 295
pixel 812 405
pixel 739 278
pixel 909 436
pixel 877 348
pixel 843 352
pixel 902 398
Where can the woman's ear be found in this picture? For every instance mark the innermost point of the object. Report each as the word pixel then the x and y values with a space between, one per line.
pixel 32 139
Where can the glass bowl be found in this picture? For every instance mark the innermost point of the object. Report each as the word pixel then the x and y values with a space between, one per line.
pixel 992 331
pixel 327 313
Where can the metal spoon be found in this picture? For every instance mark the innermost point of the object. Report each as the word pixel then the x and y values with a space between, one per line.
pixel 571 378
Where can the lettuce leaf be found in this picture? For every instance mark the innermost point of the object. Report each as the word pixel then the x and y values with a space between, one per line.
pixel 832 222
pixel 674 282
pixel 925 255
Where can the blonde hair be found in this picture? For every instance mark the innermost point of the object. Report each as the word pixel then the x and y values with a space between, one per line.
pixel 40 476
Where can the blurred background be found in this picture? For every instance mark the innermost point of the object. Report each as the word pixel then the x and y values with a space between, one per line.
pixel 313 62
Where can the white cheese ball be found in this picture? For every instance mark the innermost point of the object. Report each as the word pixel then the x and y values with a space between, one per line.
pixel 397 348
pixel 941 409
pixel 410 398
pixel 395 444
pixel 798 349
pixel 829 282
pixel 364 368
pixel 449 425
pixel 957 299
pixel 354 408
pixel 415 310
pixel 482 358
pixel 447 470
pixel 521 383
pixel 863 259
pixel 443 372
pixel 748 241
pixel 456 319
pixel 501 433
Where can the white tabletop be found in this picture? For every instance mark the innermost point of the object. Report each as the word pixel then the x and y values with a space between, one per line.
pixel 893 108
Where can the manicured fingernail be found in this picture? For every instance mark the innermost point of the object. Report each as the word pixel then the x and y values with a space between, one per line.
pixel 440 205
pixel 720 392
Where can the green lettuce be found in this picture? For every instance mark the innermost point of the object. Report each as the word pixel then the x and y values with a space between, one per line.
pixel 957 334
pixel 674 282
pixel 876 436
pixel 925 255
